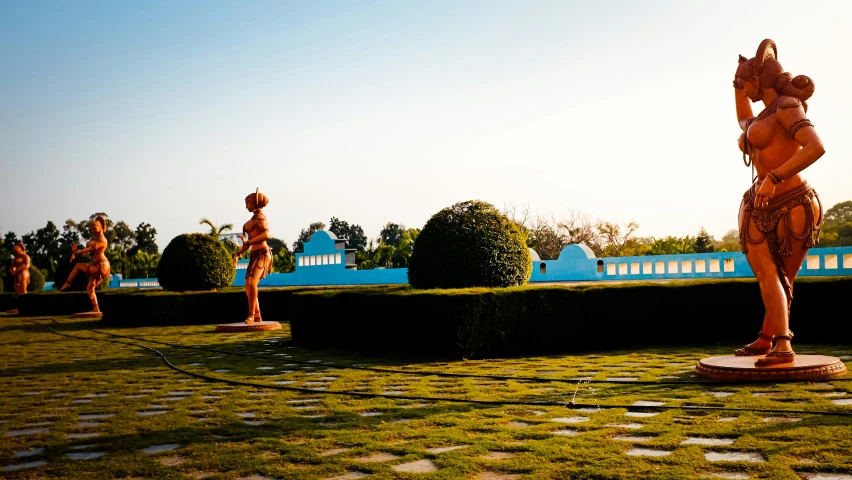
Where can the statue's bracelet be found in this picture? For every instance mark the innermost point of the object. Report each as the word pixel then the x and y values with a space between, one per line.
pixel 776 179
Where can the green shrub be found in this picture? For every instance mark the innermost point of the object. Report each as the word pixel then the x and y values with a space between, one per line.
pixel 36 281
pixel 81 281
pixel 1 284
pixel 537 320
pixel 195 261
pixel 469 244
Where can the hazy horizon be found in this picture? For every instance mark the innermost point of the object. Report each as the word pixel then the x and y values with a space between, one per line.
pixel 376 112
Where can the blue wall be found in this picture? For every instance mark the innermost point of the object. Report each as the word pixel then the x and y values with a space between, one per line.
pixel 324 263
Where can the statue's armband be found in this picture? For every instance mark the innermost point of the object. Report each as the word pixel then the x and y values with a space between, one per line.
pixel 791 115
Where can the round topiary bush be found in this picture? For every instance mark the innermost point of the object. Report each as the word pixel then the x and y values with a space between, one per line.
pixel 469 244
pixel 195 261
pixel 7 283
pixel 81 281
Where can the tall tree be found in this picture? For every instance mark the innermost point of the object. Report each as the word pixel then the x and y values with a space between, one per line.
pixel 43 248
pixel 70 235
pixel 356 239
pixel 276 245
pixel 305 235
pixel 352 234
pixel 124 237
pixel 616 236
pixel 391 234
pixel 146 239
pixel 704 242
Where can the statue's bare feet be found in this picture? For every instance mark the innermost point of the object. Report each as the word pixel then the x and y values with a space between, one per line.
pixel 249 320
pixel 65 287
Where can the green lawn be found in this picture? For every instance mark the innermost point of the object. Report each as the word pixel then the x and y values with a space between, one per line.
pixel 85 397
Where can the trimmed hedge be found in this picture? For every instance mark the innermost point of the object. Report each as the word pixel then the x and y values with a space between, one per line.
pixel 7 283
pixel 7 301
pixel 470 244
pixel 54 302
pixel 160 308
pixel 195 262
pixel 558 319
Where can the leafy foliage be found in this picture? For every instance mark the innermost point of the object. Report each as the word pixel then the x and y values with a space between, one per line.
pixel 353 234
pixel 671 246
pixel 470 244
pixel 146 240
pixel 391 234
pixel 195 261
pixel 284 261
pixel 380 255
pixel 837 229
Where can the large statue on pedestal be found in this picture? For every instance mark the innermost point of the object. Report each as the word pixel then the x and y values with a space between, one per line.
pixel 254 237
pixel 97 270
pixel 780 215
pixel 20 269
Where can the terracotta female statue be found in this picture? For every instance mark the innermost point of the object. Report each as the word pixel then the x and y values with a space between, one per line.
pixel 780 215
pixel 99 268
pixel 254 237
pixel 20 269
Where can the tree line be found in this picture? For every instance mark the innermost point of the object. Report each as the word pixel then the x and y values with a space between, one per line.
pixel 549 234
pixel 134 253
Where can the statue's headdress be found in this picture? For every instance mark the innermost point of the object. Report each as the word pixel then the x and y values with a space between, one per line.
pixel 754 67
pixel 258 199
pixel 99 219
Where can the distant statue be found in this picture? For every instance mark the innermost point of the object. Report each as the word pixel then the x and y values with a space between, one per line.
pixel 254 237
pixel 780 215
pixel 99 268
pixel 20 269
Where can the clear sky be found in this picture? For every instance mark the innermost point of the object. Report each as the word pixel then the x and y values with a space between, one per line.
pixel 166 112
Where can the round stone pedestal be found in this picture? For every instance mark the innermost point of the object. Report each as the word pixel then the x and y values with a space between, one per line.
pixel 13 311
pixel 248 327
pixel 88 315
pixel 743 369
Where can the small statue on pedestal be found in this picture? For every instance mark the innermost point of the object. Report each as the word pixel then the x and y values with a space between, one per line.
pixel 20 269
pixel 98 269
pixel 254 237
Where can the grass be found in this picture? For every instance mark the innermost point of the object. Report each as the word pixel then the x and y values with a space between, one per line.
pixel 50 378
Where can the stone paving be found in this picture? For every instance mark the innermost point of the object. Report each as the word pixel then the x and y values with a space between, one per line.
pixel 59 415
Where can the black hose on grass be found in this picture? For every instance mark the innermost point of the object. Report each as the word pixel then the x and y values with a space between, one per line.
pixel 570 405
pixel 462 375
